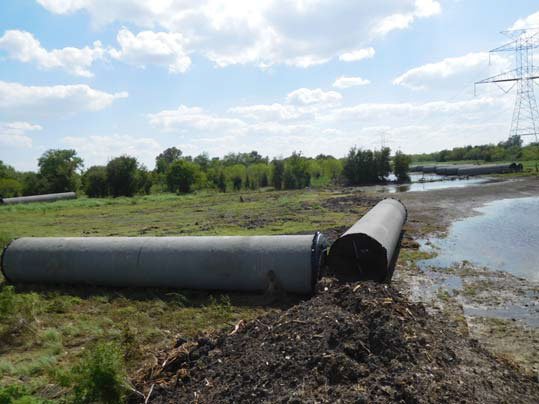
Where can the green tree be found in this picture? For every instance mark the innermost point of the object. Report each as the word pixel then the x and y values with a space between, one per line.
pixel 94 182
pixel 181 176
pixel 10 188
pixel 236 174
pixel 166 158
pixel 59 168
pixel 401 166
pixel 144 180
pixel 122 176
pixel 277 174
pixel 221 181
pixel 33 184
pixel 296 172
pixel 7 171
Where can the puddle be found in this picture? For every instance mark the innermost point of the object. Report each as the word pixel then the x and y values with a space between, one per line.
pixel 427 182
pixel 505 236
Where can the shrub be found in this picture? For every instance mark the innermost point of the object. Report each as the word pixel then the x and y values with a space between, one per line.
pixel 144 181
pixel 17 312
pixel 181 176
pixel 297 172
pixel 16 394
pixel 278 174
pixel 99 377
pixel 94 182
pixel 366 166
pixel 401 166
pixel 122 176
pixel 10 188
pixel 34 184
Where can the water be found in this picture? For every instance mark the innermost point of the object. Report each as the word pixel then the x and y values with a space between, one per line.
pixel 505 236
pixel 431 182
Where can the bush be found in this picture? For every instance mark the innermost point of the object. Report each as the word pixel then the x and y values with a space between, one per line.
pixel 122 176
pixel 236 174
pixel 10 188
pixel 16 394
pixel 297 172
pixel 401 166
pixel 144 181
pixel 278 174
pixel 94 182
pixel 34 184
pixel 181 176
pixel 366 166
pixel 17 312
pixel 99 377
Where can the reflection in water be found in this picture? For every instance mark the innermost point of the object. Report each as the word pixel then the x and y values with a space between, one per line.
pixel 427 182
pixel 504 237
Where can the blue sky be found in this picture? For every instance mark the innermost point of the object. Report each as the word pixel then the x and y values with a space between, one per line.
pixel 112 77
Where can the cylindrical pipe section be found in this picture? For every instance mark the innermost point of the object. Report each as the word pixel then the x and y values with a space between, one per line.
pixel 290 263
pixel 489 169
pixel 369 249
pixel 38 198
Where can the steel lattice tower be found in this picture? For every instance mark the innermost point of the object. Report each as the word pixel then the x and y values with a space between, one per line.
pixel 525 120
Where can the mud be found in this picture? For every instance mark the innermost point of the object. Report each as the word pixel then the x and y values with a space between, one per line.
pixel 361 343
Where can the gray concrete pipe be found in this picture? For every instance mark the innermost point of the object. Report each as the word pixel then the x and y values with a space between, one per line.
pixel 38 198
pixel 370 248
pixel 489 169
pixel 429 169
pixel 213 263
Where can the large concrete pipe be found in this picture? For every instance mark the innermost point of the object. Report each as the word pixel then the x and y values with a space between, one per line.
pixel 38 198
pixel 429 169
pixel 489 169
pixel 214 263
pixel 415 169
pixel 370 248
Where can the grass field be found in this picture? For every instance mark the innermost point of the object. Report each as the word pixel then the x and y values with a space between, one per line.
pixel 44 331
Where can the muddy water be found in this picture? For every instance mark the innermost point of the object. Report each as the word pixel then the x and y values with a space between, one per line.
pixel 427 182
pixel 505 236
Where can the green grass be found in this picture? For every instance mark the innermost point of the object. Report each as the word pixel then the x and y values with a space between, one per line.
pixel 46 329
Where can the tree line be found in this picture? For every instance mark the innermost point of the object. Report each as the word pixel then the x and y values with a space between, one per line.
pixel 63 170
pixel 510 150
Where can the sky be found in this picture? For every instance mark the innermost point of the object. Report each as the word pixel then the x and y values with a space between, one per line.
pixel 113 77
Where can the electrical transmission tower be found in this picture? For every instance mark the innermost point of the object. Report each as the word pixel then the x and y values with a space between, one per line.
pixel 526 114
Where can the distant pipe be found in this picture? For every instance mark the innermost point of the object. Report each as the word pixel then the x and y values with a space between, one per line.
pixel 214 263
pixel 38 198
pixel 369 249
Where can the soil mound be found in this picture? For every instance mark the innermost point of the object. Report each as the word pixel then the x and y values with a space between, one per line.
pixel 350 343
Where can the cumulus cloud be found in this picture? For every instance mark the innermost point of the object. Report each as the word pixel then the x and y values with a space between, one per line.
pixel 307 96
pixel 262 33
pixel 474 64
pixel 531 21
pixel 14 134
pixel 60 99
pixel 24 47
pixel 98 149
pixel 192 117
pixel 148 47
pixel 422 9
pixel 346 82
pixel 356 55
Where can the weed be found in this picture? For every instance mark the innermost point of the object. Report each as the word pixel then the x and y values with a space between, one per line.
pixel 17 312
pixel 99 377
pixel 15 394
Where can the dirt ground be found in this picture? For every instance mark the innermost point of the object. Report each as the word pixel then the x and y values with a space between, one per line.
pixel 361 343
pixel 415 341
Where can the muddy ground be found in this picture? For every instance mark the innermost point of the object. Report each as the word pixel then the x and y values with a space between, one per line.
pixel 435 342
pixel 360 343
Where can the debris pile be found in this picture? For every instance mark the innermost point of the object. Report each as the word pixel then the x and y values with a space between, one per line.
pixel 362 342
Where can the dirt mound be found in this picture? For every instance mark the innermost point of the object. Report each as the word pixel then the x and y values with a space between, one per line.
pixel 355 343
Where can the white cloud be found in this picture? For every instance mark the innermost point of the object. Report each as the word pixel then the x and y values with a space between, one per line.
pixel 473 64
pixel 356 55
pixel 346 82
pixel 192 117
pixel 14 134
pixel 531 21
pixel 274 111
pixel 263 33
pixel 306 96
pixel 97 149
pixel 148 47
pixel 422 9
pixel 24 47
pixel 59 99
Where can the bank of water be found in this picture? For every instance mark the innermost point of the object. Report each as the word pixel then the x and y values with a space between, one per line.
pixel 504 236
pixel 427 182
